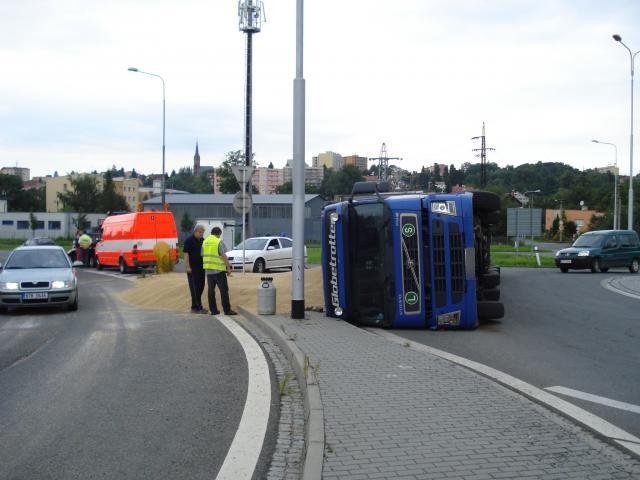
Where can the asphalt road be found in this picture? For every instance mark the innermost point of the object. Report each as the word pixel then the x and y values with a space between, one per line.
pixel 111 391
pixel 559 330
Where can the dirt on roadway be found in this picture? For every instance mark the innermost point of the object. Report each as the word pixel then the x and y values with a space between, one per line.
pixel 170 291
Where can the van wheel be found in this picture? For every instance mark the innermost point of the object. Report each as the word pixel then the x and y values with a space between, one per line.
pixel 604 269
pixel 595 265
pixel 258 267
pixel 98 264
pixel 123 265
pixel 564 269
pixel 635 266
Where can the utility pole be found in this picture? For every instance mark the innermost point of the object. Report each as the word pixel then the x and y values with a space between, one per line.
pixel 483 157
pixel 383 168
pixel 250 15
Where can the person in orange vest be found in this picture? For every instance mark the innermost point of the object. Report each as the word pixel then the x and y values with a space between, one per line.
pixel 217 267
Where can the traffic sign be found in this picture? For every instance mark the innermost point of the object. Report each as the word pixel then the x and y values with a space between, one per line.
pixel 242 202
pixel 242 172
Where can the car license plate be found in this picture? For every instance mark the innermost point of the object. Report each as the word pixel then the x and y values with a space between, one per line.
pixel 35 296
pixel 565 261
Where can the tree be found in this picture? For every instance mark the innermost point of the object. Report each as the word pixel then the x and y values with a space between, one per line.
pixel 33 223
pixel 109 199
pixel 81 222
pixel 186 224
pixel 287 187
pixel 228 182
pixel 83 197
pixel 339 182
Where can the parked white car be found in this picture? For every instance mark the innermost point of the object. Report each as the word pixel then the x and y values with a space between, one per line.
pixel 262 254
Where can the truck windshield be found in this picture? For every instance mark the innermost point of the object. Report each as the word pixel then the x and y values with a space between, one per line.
pixel 370 254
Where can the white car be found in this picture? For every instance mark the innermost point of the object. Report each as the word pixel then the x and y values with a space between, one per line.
pixel 262 254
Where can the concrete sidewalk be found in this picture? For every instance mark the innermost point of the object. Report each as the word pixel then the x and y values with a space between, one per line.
pixel 390 410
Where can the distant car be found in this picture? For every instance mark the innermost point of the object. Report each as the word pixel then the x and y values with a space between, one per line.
pixel 262 254
pixel 38 241
pixel 600 250
pixel 38 276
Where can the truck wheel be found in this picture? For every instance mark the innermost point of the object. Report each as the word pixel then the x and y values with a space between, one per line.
pixel 123 265
pixel 490 218
pixel 490 310
pixel 490 280
pixel 487 201
pixel 635 266
pixel 491 294
pixel 595 265
pixel 258 267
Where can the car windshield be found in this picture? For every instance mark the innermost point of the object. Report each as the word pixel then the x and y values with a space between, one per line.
pixel 252 244
pixel 44 258
pixel 589 241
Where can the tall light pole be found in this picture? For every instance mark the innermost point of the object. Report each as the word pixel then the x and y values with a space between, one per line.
pixel 134 69
pixel 531 213
pixel 250 13
pixel 297 224
pixel 616 220
pixel 632 57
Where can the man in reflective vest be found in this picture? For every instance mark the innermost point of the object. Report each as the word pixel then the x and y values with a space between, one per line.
pixel 85 242
pixel 217 267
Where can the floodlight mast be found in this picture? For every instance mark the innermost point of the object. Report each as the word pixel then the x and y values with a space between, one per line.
pixel 250 17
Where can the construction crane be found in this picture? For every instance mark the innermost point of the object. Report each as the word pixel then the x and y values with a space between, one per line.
pixel 383 169
pixel 483 157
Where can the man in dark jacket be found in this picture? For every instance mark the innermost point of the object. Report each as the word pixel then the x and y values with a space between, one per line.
pixel 193 265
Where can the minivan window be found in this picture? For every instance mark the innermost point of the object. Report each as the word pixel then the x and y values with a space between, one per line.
pixel 589 241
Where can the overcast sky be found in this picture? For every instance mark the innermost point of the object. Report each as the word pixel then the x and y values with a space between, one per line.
pixel 420 75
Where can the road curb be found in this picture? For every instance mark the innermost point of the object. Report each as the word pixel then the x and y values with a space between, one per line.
pixel 275 327
pixel 603 429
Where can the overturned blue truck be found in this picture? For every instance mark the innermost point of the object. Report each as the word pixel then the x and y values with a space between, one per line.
pixel 410 260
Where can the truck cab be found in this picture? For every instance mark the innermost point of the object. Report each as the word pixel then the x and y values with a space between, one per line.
pixel 410 260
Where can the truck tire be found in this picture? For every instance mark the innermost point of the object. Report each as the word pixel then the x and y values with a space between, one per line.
pixel 491 294
pixel 490 310
pixel 490 218
pixel 486 201
pixel 490 280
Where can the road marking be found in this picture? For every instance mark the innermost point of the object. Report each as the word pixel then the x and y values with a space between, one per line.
pixel 614 284
pixel 245 449
pixel 629 407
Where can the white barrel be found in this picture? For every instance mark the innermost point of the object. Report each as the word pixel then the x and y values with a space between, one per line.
pixel 266 296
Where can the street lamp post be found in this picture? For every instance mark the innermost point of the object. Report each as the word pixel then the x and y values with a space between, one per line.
pixel 531 213
pixel 616 212
pixel 133 69
pixel 632 57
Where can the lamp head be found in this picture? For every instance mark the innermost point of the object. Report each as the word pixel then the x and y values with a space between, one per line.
pixel 132 69
pixel 617 38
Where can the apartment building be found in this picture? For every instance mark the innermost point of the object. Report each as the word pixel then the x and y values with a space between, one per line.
pixel 266 180
pixel 357 161
pixel 62 184
pixel 312 175
pixel 129 189
pixel 23 173
pixel 328 159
